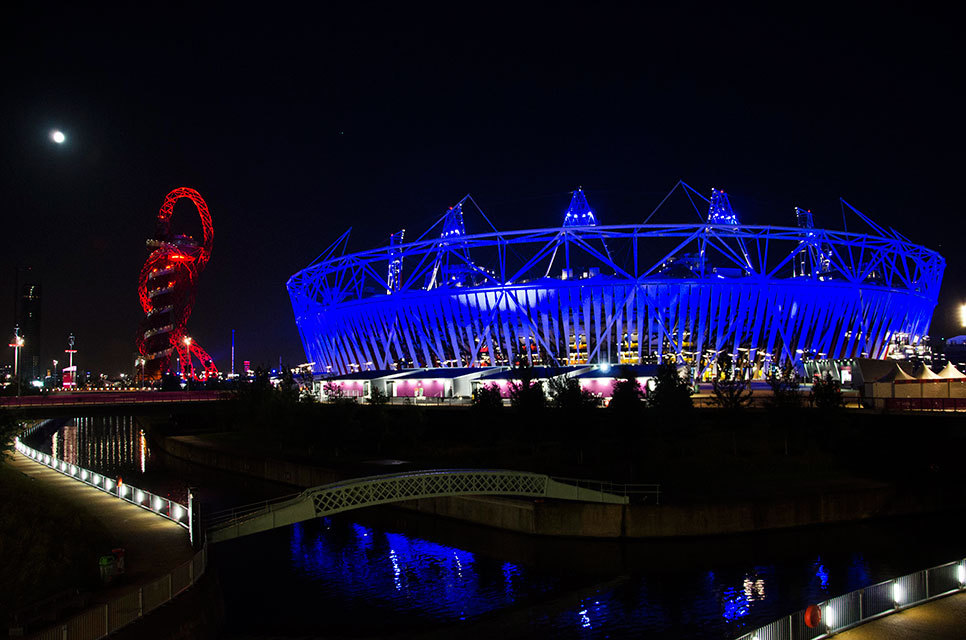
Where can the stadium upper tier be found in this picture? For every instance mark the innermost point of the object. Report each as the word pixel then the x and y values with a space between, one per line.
pixel 587 293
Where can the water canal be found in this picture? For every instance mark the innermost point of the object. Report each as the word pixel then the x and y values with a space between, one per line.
pixel 384 572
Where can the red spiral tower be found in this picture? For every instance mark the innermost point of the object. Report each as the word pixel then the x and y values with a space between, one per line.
pixel 166 288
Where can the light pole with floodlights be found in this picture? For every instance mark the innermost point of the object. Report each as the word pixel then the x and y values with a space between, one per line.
pixel 191 364
pixel 17 345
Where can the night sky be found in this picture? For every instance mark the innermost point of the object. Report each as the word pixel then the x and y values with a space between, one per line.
pixel 295 125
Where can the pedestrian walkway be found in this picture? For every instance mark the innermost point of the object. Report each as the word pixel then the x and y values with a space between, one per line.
pixel 943 619
pixel 153 545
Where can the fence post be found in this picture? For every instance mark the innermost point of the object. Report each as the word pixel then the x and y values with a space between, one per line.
pixel 107 621
pixel 861 594
pixel 169 586
pixel 140 602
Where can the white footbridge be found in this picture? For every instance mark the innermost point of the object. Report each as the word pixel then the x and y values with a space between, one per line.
pixel 358 493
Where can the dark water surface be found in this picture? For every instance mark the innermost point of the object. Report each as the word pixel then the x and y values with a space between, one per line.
pixel 383 572
pixel 368 575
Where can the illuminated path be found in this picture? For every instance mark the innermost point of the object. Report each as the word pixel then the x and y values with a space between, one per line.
pixel 943 619
pixel 153 545
pixel 384 489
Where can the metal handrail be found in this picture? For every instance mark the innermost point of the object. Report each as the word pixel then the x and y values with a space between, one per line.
pixel 104 619
pixel 868 603
pixel 159 505
pixel 237 515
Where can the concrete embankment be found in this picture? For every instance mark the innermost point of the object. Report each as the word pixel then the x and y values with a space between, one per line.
pixel 574 519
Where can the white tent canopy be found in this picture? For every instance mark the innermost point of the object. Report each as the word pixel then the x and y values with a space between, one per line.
pixel 925 373
pixel 896 375
pixel 951 372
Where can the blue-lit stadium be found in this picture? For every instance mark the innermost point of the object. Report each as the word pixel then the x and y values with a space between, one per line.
pixel 587 293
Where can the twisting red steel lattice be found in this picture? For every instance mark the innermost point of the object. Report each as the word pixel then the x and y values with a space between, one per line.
pixel 166 288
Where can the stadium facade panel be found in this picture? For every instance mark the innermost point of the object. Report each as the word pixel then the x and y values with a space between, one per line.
pixel 631 294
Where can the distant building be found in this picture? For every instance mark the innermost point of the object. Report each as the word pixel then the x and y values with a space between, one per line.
pixel 29 320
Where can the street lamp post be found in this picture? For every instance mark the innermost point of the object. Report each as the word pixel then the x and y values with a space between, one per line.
pixel 70 350
pixel 191 364
pixel 17 344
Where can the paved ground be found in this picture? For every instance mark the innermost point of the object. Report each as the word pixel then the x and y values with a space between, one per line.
pixel 943 619
pixel 153 545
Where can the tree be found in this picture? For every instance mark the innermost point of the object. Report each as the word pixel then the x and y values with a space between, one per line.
pixel 526 391
pixel 671 392
pixel 487 398
pixel 730 390
pixel 827 393
pixel 288 388
pixel 10 428
pixel 333 391
pixel 731 393
pixel 377 397
pixel 566 394
pixel 785 396
pixel 627 395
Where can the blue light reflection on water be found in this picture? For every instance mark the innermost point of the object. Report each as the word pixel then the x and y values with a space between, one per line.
pixel 409 574
pixel 822 574
pixel 345 578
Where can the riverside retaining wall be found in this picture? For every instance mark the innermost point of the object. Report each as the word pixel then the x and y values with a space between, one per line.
pixel 578 519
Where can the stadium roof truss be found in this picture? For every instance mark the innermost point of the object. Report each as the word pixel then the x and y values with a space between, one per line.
pixel 617 293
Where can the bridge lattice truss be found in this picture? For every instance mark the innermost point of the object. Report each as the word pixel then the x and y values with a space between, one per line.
pixel 574 295
pixel 376 490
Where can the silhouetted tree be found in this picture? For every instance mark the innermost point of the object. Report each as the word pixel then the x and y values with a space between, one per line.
pixel 730 391
pixel 10 428
pixel 377 397
pixel 627 395
pixel 566 394
pixel 731 394
pixel 827 393
pixel 288 390
pixel 526 391
pixel 487 398
pixel 333 392
pixel 671 392
pixel 784 391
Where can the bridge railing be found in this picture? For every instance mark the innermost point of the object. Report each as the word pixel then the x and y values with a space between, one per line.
pixel 234 514
pixel 104 619
pixel 164 507
pixel 75 398
pixel 865 604
pixel 647 493
pixel 638 493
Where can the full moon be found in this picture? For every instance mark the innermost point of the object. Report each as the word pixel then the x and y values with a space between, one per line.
pixel 58 136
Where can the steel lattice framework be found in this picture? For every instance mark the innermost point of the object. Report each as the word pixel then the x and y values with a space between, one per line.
pixel 617 294
pixel 166 289
pixel 370 491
